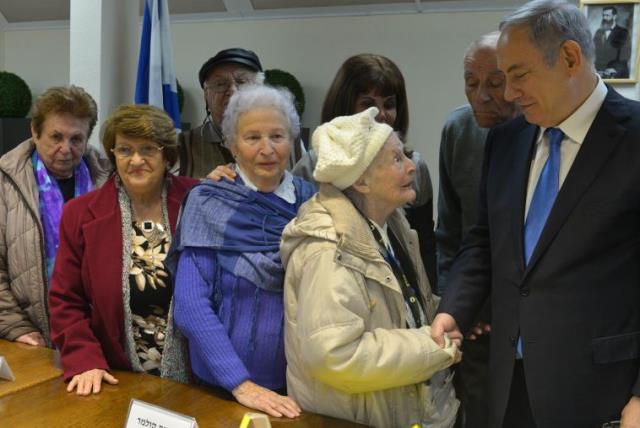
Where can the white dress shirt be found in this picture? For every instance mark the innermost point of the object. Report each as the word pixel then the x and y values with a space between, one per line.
pixel 575 129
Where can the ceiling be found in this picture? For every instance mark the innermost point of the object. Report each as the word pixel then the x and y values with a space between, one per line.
pixel 22 12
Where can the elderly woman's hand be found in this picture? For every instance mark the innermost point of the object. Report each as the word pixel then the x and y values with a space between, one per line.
pixel 34 339
pixel 256 397
pixel 222 171
pixel 90 381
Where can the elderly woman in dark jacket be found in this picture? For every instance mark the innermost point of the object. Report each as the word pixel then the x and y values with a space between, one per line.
pixel 36 179
pixel 111 294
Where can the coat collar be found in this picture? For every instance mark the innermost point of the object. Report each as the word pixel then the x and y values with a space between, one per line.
pixel 16 164
pixel 605 133
pixel 104 206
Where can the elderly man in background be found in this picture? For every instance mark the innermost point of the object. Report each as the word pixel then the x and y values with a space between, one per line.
pixel 461 153
pixel 202 148
pixel 36 179
pixel 556 240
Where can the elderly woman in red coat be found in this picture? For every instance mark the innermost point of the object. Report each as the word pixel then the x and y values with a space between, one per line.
pixel 110 295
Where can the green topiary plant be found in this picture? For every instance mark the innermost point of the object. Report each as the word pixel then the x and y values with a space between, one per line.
pixel 275 77
pixel 15 95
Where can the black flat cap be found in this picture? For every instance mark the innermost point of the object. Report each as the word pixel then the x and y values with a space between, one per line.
pixel 234 55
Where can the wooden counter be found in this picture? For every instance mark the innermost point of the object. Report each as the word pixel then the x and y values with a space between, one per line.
pixel 30 365
pixel 38 398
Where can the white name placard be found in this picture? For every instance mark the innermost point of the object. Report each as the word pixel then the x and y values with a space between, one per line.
pixel 145 415
pixel 5 371
pixel 255 420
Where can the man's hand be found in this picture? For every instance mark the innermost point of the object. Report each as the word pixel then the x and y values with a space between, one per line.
pixel 223 171
pixel 444 323
pixel 34 339
pixel 631 414
pixel 478 330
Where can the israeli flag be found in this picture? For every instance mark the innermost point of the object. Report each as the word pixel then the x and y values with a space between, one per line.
pixel 156 82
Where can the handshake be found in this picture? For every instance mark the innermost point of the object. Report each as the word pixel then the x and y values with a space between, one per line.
pixel 444 326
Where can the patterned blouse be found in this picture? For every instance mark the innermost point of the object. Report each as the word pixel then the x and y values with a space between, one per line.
pixel 150 296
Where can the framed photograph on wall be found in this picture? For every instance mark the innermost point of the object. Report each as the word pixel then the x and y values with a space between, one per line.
pixel 614 27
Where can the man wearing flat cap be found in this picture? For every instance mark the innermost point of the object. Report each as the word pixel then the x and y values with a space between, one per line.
pixel 202 149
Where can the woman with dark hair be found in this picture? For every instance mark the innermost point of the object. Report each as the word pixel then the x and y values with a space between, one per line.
pixel 111 292
pixel 369 80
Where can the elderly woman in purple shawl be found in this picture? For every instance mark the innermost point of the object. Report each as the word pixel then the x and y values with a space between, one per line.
pixel 228 284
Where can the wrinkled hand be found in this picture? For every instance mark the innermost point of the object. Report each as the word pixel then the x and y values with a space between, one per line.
pixel 90 381
pixel 631 414
pixel 223 171
pixel 457 357
pixel 478 330
pixel 34 339
pixel 256 397
pixel 444 323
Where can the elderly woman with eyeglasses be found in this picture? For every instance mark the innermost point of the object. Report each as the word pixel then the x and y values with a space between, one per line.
pixel 111 294
pixel 229 276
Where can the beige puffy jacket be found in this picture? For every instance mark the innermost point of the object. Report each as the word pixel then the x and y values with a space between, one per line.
pixel 23 282
pixel 349 353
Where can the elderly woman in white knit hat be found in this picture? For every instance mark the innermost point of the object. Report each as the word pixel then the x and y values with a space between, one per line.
pixel 357 304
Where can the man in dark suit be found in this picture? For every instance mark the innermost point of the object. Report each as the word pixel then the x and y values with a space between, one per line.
pixel 461 152
pixel 613 49
pixel 557 242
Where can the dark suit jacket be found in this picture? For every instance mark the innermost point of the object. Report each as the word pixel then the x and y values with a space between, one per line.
pixel 85 299
pixel 577 304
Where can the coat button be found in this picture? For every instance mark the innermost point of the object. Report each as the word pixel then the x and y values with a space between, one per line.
pixel 524 292
pixel 388 279
pixel 412 299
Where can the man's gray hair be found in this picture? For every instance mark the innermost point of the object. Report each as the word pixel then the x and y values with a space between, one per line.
pixel 251 97
pixel 550 24
pixel 489 40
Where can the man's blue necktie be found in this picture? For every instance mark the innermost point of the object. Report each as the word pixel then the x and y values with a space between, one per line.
pixel 542 201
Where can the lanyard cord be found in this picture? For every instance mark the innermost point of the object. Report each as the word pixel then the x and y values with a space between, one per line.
pixel 410 293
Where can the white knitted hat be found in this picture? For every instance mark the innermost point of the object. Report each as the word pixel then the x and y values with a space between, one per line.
pixel 346 146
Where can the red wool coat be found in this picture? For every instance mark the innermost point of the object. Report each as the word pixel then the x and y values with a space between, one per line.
pixel 85 299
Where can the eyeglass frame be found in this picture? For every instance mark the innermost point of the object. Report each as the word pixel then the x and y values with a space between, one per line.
pixel 236 81
pixel 156 150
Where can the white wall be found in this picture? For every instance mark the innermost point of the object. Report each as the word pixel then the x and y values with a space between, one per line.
pixel 2 49
pixel 39 56
pixel 427 47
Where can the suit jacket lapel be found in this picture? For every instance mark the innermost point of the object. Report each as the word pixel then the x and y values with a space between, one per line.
pixel 525 146
pixel 603 136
